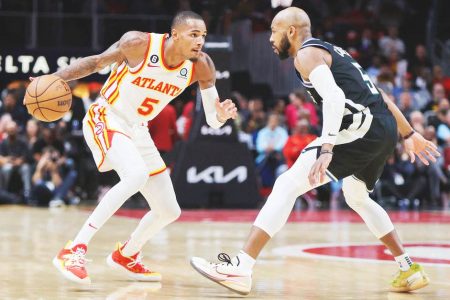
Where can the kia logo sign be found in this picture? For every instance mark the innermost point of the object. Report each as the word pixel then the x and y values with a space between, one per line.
pixel 224 130
pixel 216 174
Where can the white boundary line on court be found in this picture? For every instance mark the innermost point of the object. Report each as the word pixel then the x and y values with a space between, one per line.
pixel 298 251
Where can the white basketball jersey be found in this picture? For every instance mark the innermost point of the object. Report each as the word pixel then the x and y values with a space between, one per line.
pixel 138 94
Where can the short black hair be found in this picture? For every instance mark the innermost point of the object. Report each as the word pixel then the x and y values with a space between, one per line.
pixel 183 16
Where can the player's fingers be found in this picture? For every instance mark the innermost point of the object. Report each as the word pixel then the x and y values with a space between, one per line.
pixel 431 145
pixel 434 150
pixel 412 156
pixel 31 78
pixel 423 159
pixel 312 175
pixel 227 102
pixel 322 174
pixel 429 156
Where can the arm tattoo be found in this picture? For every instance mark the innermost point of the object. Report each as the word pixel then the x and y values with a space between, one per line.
pixel 90 64
pixel 78 69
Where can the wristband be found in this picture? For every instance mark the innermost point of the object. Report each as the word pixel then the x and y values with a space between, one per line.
pixel 326 152
pixel 408 135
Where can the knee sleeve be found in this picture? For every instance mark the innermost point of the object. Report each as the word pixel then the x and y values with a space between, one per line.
pixel 278 207
pixel 357 197
pixel 355 192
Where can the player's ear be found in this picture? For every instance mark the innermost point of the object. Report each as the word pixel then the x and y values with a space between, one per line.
pixel 291 31
pixel 174 33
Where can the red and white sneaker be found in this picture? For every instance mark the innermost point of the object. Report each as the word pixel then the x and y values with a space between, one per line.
pixel 71 263
pixel 131 265
pixel 227 274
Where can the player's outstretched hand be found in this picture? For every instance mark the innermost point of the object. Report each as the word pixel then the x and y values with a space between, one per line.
pixel 425 150
pixel 226 109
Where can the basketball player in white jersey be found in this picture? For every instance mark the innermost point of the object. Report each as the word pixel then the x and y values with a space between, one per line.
pixel 359 133
pixel 149 70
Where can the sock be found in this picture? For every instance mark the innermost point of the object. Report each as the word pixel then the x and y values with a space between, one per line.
pixel 244 260
pixel 404 261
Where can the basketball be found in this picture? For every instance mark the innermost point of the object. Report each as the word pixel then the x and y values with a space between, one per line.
pixel 48 98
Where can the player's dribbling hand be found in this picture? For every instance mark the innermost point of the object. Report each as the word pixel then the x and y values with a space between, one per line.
pixel 226 109
pixel 31 79
pixel 317 172
pixel 425 150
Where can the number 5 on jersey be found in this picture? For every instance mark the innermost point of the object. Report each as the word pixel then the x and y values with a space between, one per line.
pixel 146 107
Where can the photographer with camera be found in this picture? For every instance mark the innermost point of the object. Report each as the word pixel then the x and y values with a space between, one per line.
pixel 52 180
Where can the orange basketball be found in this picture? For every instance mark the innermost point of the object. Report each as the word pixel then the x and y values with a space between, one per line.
pixel 48 98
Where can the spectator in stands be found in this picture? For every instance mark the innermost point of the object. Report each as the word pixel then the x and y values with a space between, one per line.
pixel 5 119
pixel 438 94
pixel 53 178
pixel 12 104
pixel 13 159
pixel 417 121
pixel 257 119
pixel 437 118
pixel 406 104
pixel 32 133
pixel 163 130
pixel 398 66
pixel 443 130
pixel 374 69
pixel 440 77
pixel 391 42
pixel 437 179
pixel 279 108
pixel 418 100
pixel 48 138
pixel 385 79
pixel 299 105
pixel 419 62
pixel 298 140
pixel 269 145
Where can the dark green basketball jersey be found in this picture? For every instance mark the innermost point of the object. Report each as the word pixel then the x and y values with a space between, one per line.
pixel 360 92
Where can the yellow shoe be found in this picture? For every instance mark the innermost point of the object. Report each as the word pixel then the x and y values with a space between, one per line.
pixel 413 279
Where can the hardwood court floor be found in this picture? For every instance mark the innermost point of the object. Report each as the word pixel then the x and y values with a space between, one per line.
pixel 30 238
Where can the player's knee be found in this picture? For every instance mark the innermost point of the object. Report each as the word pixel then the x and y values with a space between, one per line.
pixel 284 181
pixel 135 177
pixel 172 213
pixel 355 192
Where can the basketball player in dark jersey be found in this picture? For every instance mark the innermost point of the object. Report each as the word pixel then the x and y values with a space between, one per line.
pixel 360 131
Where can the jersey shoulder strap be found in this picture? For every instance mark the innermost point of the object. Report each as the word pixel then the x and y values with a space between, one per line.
pixel 312 42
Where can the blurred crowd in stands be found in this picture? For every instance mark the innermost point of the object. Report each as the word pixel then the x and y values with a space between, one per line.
pixel 48 163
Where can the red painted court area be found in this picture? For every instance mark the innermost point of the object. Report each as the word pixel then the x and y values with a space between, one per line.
pixel 378 252
pixel 442 217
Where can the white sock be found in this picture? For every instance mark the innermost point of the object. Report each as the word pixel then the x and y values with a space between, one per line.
pixel 404 261
pixel 244 260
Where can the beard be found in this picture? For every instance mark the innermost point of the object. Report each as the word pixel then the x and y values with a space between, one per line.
pixel 285 45
pixel 193 59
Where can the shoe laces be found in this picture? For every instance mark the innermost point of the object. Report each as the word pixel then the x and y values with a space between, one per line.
pixel 137 262
pixel 225 259
pixel 77 258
